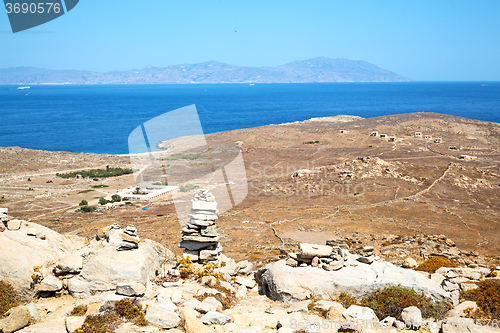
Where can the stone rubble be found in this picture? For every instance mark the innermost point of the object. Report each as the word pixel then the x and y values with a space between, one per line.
pixel 200 238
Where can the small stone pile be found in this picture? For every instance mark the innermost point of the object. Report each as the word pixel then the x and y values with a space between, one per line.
pixel 368 256
pixel 199 236
pixel 323 256
pixel 129 238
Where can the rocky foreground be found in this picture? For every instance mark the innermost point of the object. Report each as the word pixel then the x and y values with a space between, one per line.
pixel 72 284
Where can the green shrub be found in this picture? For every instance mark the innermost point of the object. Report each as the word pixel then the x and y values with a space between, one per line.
pixel 86 209
pixel 487 297
pixel 100 186
pixel 116 198
pixel 8 298
pixel 432 264
pixel 83 203
pixel 310 142
pixel 391 301
pixel 189 156
pixel 85 191
pixel 187 187
pixel 96 173
pixel 102 201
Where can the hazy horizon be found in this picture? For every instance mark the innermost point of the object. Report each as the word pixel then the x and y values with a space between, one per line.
pixel 424 40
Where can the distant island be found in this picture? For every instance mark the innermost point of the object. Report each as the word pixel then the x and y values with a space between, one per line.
pixel 321 69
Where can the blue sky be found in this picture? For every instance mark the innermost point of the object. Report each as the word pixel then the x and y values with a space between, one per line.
pixel 424 40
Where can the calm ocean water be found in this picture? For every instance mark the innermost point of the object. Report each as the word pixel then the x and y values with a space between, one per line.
pixel 99 118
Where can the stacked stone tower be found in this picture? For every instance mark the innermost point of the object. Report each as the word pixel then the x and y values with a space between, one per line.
pixel 199 236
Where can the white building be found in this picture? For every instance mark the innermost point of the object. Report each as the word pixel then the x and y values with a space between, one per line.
pixel 146 192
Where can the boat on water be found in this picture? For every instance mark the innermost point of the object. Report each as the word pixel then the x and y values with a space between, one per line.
pixel 24 87
pixel 251 84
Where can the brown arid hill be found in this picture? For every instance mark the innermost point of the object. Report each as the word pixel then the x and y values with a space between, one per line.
pixel 352 186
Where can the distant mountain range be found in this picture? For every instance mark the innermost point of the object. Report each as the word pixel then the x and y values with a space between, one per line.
pixel 321 69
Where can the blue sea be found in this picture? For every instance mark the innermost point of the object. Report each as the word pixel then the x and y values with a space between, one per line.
pixel 99 118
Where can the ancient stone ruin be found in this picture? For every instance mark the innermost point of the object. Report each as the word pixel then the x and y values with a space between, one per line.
pixel 199 236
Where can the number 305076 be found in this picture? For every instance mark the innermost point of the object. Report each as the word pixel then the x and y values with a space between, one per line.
pixel 33 8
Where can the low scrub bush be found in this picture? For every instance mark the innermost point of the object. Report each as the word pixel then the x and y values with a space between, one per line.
pixel 187 187
pixel 487 297
pixel 391 301
pixel 346 300
pixel 310 142
pixel 100 323
pixel 8 298
pixel 79 310
pixel 432 264
pixel 127 309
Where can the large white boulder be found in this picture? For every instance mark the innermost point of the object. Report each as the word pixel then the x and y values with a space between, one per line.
pixel 22 253
pixel 109 267
pixel 288 284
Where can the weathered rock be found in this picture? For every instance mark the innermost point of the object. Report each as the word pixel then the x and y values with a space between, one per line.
pixel 17 269
pixel 207 255
pixel 335 311
pixel 126 237
pixel 14 224
pixel 367 260
pixel 249 283
pixel 292 262
pixel 191 322
pixel 314 250
pixel 130 289
pixel 162 318
pixel 212 303
pixel 2 227
pixel 197 305
pixel 437 277
pixel 355 312
pixel 449 286
pixel 468 286
pixel 245 267
pixel 213 317
pixel 287 284
pixel 50 283
pixel 124 245
pixel 70 264
pixel 210 231
pixel 110 302
pixel 203 205
pixel 31 232
pixel 192 255
pixel 53 326
pixel 74 322
pixel 459 310
pixel 109 267
pixel 412 317
pixel 299 307
pixel 194 246
pixel 200 239
pixel 18 318
pixel 410 263
pixel 34 313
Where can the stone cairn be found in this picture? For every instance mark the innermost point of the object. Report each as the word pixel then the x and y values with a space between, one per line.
pixel 199 236
pixel 368 257
pixel 129 238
